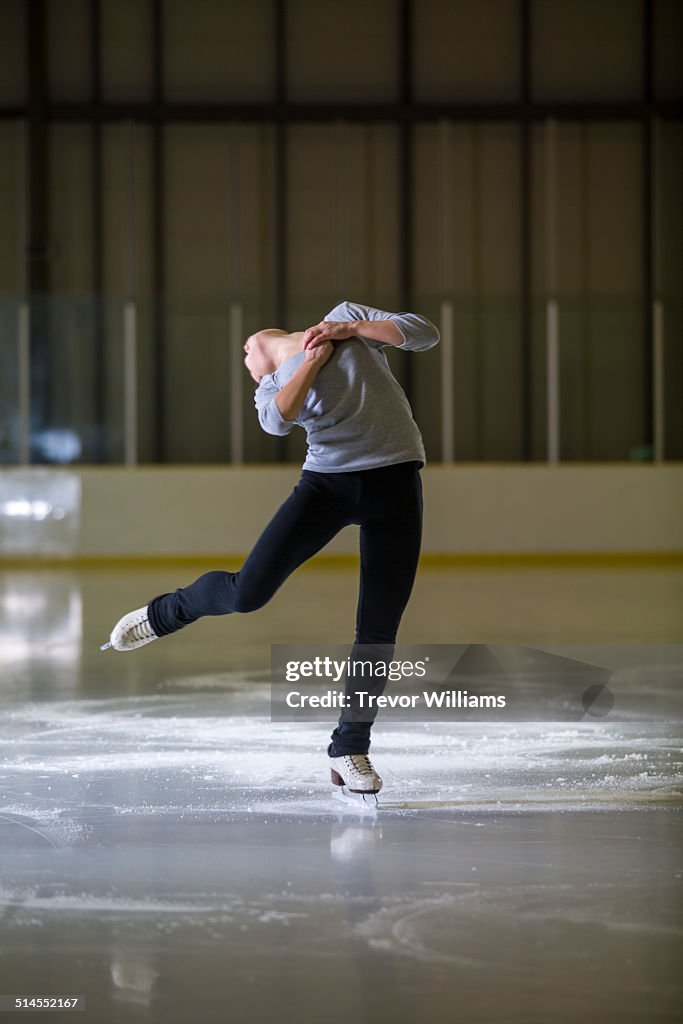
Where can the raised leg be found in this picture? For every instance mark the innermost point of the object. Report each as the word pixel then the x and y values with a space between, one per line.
pixel 310 517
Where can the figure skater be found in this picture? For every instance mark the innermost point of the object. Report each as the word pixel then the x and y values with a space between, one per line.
pixel 362 467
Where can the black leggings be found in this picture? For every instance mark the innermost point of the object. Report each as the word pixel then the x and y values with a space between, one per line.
pixel 387 505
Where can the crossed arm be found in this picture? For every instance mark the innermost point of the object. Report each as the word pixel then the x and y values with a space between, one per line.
pixel 291 397
pixel 384 331
pixel 409 331
pixel 318 345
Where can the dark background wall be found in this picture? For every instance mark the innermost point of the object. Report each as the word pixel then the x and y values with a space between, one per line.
pixel 285 155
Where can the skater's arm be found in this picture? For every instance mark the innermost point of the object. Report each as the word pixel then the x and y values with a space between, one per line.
pixel 291 397
pixel 407 331
pixel 383 331
pixel 269 415
pixel 278 408
pixel 417 332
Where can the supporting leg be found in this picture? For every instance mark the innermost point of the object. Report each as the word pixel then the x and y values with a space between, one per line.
pixel 390 549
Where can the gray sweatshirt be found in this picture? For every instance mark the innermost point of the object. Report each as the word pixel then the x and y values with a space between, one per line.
pixel 356 415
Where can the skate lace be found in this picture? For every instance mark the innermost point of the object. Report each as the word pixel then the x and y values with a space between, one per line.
pixel 141 630
pixel 362 764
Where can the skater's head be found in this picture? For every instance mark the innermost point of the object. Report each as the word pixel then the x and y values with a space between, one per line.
pixel 264 351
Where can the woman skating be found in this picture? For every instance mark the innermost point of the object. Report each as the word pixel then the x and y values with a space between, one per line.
pixel 362 467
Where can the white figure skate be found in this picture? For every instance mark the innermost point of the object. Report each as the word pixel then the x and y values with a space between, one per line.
pixel 356 780
pixel 131 632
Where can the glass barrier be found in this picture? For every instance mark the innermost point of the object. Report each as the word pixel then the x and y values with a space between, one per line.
pixel 10 418
pixel 86 380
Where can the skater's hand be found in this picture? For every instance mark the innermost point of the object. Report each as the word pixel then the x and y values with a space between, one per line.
pixel 327 330
pixel 319 353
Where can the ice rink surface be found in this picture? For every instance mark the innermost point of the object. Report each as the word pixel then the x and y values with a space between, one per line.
pixel 172 855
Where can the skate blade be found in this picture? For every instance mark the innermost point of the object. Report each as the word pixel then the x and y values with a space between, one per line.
pixel 106 646
pixel 366 803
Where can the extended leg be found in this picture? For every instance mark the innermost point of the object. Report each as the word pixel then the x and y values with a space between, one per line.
pixel 307 520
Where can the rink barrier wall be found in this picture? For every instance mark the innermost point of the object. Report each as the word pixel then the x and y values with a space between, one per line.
pixel 475 514
pixel 330 563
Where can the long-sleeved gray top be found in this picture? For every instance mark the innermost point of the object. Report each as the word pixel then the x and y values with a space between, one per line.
pixel 356 414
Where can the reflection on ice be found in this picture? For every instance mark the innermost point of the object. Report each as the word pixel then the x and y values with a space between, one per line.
pixel 133 980
pixel 41 625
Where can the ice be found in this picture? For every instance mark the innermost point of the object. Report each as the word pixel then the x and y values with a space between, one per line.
pixel 139 754
pixel 172 854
